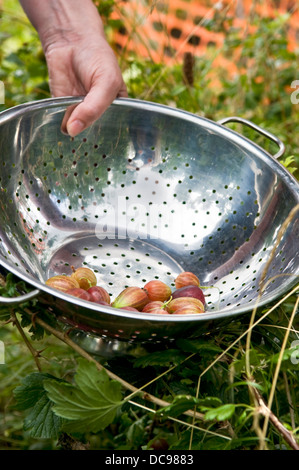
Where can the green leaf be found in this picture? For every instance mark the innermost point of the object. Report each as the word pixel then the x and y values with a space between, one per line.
pixel 4 313
pixel 196 345
pixel 246 383
pixel 30 391
pixel 167 357
pixel 287 162
pixel 91 404
pixel 13 57
pixel 221 413
pixel 209 401
pixel 136 431
pixel 289 355
pixel 182 403
pixel 40 422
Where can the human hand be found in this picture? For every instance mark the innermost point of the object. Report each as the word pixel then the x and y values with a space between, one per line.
pixel 79 59
pixel 87 67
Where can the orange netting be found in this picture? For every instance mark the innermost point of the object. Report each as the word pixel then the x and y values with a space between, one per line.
pixel 164 30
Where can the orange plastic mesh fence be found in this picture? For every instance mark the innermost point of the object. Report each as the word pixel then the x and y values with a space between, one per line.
pixel 165 30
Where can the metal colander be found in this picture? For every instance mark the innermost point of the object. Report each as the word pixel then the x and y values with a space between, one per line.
pixel 145 193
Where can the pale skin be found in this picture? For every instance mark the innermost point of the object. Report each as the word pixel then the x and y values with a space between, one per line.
pixel 79 59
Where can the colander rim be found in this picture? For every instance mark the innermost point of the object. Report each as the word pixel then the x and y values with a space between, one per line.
pixel 233 136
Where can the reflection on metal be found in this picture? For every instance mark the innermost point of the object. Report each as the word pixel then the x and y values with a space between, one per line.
pixel 145 193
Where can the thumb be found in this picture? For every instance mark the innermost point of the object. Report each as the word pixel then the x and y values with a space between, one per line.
pixel 93 106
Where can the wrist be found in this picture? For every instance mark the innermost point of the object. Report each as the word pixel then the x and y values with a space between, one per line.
pixel 61 22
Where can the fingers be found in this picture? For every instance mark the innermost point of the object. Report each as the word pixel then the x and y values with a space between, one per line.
pixel 93 106
pixel 66 117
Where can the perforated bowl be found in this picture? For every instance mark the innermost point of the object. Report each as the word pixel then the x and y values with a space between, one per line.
pixel 145 193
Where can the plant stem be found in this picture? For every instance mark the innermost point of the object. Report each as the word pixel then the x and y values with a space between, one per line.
pixel 289 397
pixel 250 328
pixel 264 410
pixel 263 285
pixel 34 353
pixel 191 426
pixel 276 372
pixel 146 396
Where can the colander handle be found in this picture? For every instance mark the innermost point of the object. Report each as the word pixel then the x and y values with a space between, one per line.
pixel 259 129
pixel 20 298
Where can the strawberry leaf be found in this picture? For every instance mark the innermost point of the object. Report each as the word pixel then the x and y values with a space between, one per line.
pixel 90 404
pixel 40 421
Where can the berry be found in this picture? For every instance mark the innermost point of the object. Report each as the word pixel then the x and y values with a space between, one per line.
pixel 157 290
pixel 78 292
pixel 131 297
pixel 186 278
pixel 99 294
pixel 180 302
pixel 189 291
pixel 85 277
pixel 62 283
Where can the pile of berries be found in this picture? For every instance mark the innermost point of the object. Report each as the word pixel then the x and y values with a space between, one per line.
pixel 154 297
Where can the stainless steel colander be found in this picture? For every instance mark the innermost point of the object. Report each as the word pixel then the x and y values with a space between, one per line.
pixel 145 193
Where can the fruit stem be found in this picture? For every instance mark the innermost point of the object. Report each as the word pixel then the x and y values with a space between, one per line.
pixel 166 303
pixel 207 287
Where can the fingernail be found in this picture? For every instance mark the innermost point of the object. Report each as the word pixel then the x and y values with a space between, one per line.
pixel 75 127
